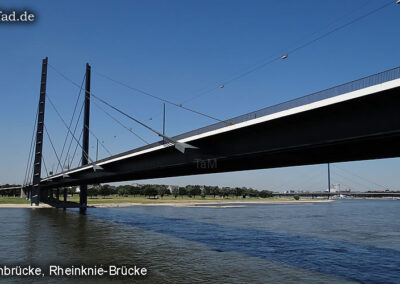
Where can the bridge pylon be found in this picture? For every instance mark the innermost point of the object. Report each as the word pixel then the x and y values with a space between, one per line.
pixel 85 139
pixel 35 194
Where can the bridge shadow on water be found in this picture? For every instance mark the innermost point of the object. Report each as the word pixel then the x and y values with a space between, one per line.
pixel 362 263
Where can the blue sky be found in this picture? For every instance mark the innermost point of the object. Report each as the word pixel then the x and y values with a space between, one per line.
pixel 176 49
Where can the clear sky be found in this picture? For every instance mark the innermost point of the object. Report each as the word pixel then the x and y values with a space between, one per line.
pixel 178 49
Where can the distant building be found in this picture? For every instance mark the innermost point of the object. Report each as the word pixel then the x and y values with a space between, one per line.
pixel 335 188
pixel 170 188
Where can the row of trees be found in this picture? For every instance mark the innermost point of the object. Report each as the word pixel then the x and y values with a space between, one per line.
pixel 160 190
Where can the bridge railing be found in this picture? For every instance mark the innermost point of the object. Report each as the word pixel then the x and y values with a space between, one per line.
pixel 358 84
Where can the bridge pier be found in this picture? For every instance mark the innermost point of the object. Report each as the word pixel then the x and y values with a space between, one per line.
pixel 65 196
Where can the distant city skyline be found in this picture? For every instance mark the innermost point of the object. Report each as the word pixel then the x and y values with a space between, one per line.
pixel 217 57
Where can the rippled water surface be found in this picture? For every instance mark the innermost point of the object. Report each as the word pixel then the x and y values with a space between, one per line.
pixel 338 242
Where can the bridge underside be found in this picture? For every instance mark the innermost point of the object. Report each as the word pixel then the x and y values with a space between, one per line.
pixel 358 129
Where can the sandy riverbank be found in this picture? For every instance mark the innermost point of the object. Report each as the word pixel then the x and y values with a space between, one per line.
pixel 198 204
pixel 209 203
pixel 24 205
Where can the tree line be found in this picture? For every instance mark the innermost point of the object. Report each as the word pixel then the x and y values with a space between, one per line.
pixel 161 190
pixel 158 190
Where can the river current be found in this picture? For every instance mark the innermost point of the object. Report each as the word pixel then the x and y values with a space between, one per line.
pixel 346 241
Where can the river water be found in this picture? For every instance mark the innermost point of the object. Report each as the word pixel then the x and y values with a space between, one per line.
pixel 346 241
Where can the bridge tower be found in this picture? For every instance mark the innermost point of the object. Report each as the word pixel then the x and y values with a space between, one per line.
pixel 35 195
pixel 85 139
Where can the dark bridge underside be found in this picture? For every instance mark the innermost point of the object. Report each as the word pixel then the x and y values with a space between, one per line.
pixel 358 129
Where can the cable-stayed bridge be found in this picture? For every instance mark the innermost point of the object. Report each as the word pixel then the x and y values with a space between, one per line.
pixel 358 120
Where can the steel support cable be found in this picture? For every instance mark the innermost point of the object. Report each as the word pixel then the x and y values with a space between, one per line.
pixel 140 91
pixel 52 146
pixel 353 181
pixel 28 164
pixel 120 123
pixel 28 168
pixel 104 147
pixel 340 27
pixel 328 25
pixel 180 146
pixel 158 98
pixel 91 132
pixel 65 124
pixel 72 118
pixel 207 90
pixel 237 77
pixel 72 139
pixel 44 164
pixel 31 176
pixel 360 177
pixel 130 117
pixel 80 88
pixel 251 70
pixel 76 149
pixel 291 51
pixel 65 77
pixel 31 151
pixel 31 167
pixel 308 43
